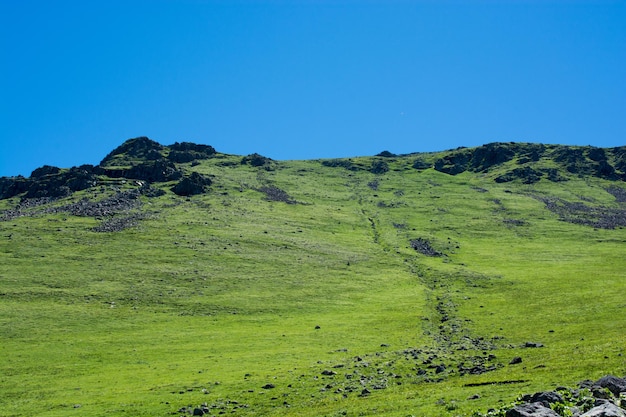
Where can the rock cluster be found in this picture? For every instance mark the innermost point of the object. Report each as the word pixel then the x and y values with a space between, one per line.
pixel 598 216
pixel 424 247
pixel 609 164
pixel 605 397
pixel 139 159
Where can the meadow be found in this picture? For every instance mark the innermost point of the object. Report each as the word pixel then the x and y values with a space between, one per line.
pixel 317 304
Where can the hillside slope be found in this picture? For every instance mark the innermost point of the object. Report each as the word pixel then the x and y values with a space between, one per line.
pixel 168 277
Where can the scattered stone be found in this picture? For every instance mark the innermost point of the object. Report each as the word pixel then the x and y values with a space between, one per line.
pixel 515 360
pixel 268 386
pixel 273 193
pixel 424 247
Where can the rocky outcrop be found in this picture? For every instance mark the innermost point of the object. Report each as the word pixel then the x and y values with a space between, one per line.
pixel 140 159
pixel 192 185
pixel 612 383
pixel 257 160
pixel 379 167
pixel 187 152
pixel 141 148
pixel 49 182
pixel 603 163
pixel 160 170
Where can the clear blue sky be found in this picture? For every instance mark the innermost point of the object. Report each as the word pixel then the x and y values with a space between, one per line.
pixel 306 79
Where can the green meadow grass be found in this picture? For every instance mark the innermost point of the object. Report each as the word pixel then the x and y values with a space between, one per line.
pixel 212 297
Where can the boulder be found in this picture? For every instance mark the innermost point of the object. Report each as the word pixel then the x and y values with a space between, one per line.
pixel 531 410
pixel 546 398
pixel 612 383
pixel 605 410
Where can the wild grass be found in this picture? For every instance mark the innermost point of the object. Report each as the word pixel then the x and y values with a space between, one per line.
pixel 212 297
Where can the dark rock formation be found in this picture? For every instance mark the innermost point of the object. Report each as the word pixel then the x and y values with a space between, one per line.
pixel 379 167
pixel 44 170
pixel 593 399
pixel 531 410
pixel 192 185
pixel 12 186
pixel 526 174
pixel 421 164
pixel 424 247
pixel 63 183
pixel 612 383
pixel 141 148
pixel 160 170
pixel 188 152
pixel 546 398
pixel 609 164
pixel 387 154
pixel 454 163
pixel 256 160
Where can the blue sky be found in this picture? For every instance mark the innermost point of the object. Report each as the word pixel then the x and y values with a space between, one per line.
pixel 306 79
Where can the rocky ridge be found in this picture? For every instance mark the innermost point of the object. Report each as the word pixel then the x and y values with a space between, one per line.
pixel 143 159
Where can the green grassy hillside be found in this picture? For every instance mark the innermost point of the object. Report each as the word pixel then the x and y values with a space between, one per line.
pixel 371 286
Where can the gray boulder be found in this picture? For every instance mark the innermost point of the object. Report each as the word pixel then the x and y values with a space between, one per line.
pixel 546 398
pixel 605 410
pixel 531 410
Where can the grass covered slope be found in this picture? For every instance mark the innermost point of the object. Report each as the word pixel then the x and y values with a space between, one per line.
pixel 389 285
